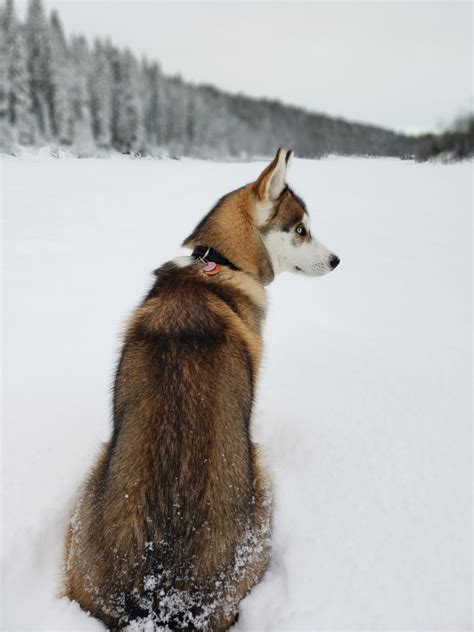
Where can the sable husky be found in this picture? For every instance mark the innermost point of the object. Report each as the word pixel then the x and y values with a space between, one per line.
pixel 172 527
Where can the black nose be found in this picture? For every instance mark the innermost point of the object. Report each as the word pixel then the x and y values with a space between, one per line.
pixel 334 261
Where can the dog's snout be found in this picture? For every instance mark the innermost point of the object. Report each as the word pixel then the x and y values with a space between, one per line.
pixel 334 261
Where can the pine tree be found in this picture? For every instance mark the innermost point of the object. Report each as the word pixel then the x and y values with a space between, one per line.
pixel 165 112
pixel 153 98
pixel 176 115
pixel 127 117
pixel 83 137
pixel 20 98
pixel 100 88
pixel 6 136
pixel 218 119
pixel 61 84
pixel 38 42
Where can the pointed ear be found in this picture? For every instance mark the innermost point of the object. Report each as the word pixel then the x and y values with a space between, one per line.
pixel 271 181
pixel 289 158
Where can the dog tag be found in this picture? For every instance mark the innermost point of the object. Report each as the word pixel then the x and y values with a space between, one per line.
pixel 211 267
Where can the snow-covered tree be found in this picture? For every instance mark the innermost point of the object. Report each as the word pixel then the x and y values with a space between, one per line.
pixel 127 109
pixel 38 41
pixel 81 105
pixel 62 72
pixel 153 103
pixel 177 105
pixel 6 136
pixel 20 105
pixel 100 88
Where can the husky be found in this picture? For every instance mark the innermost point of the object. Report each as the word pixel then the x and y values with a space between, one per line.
pixel 172 527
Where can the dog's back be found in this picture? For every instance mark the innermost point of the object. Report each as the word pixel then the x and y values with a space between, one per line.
pixel 177 491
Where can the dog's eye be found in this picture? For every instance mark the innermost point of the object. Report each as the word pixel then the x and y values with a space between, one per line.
pixel 301 230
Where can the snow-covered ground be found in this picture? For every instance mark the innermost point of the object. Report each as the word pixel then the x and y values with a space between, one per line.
pixel 364 400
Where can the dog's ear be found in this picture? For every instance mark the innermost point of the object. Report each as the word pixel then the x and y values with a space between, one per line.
pixel 272 180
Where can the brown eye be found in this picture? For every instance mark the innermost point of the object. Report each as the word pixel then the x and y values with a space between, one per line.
pixel 301 230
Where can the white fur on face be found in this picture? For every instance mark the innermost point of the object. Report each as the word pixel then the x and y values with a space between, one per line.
pixel 288 253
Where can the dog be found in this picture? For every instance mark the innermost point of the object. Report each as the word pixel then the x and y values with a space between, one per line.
pixel 172 527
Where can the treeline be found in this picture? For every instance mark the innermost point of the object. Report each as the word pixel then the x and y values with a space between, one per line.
pixel 456 143
pixel 63 91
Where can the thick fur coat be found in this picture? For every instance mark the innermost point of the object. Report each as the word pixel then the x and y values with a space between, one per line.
pixel 173 524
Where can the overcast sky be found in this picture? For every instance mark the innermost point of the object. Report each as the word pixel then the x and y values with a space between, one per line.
pixel 405 65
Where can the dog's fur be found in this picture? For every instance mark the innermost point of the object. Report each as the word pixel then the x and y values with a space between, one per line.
pixel 173 523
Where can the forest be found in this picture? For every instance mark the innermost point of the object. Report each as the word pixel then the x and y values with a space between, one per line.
pixel 92 98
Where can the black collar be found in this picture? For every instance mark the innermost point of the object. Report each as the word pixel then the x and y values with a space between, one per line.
pixel 205 254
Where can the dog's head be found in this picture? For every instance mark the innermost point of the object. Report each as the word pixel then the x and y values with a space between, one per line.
pixel 283 221
pixel 263 228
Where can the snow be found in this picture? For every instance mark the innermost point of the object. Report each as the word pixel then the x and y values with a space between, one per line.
pixel 364 399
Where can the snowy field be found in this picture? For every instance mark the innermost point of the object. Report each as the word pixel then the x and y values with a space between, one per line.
pixel 364 399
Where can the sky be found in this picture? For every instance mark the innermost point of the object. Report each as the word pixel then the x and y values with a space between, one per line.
pixel 406 65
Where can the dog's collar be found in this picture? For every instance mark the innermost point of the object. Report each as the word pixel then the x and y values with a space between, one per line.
pixel 207 254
